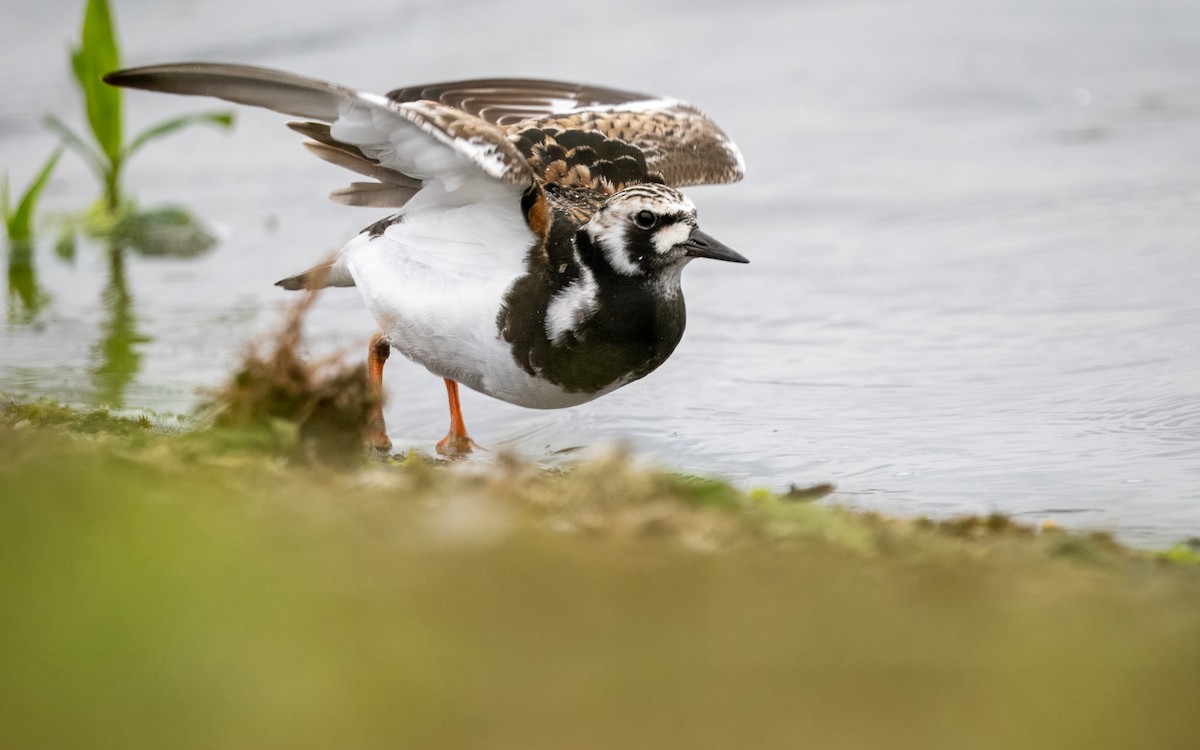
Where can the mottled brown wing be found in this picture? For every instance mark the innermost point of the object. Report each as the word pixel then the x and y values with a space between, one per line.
pixel 589 136
pixel 507 101
pixel 667 142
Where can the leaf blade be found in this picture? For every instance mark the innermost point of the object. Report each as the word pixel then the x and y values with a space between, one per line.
pixel 76 143
pixel 97 54
pixel 166 127
pixel 18 223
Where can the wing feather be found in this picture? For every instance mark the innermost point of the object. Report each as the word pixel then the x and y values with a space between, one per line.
pixel 466 136
pixel 351 158
pixel 507 101
pixel 680 144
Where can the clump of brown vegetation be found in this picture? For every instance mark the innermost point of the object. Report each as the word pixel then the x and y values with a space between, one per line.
pixel 315 409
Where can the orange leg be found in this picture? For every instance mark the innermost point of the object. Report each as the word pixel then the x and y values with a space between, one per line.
pixel 375 434
pixel 457 443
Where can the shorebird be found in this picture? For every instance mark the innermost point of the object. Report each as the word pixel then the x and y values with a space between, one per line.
pixel 538 234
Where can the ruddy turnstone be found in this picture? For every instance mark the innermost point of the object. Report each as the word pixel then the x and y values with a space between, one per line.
pixel 539 235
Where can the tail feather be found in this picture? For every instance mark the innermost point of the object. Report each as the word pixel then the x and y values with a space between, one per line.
pixel 372 195
pixel 318 277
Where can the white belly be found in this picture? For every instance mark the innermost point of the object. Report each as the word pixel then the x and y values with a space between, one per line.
pixel 441 313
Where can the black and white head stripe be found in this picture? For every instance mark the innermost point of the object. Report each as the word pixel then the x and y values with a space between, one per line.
pixel 640 224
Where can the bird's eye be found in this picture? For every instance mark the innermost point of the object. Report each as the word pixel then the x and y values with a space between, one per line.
pixel 645 219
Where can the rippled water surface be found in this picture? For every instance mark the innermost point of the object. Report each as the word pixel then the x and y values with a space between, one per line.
pixel 974 227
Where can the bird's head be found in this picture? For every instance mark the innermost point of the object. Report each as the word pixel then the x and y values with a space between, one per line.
pixel 650 229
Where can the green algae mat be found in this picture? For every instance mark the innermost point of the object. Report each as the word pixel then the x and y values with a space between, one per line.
pixel 194 591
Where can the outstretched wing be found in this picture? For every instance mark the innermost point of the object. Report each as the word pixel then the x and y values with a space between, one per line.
pixel 459 178
pixel 401 136
pixel 583 135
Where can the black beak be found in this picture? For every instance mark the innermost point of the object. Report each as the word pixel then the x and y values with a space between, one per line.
pixel 700 245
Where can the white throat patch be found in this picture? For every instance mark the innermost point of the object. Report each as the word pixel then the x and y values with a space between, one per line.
pixel 670 236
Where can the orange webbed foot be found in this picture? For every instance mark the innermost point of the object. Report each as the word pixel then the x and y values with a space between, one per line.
pixel 456 446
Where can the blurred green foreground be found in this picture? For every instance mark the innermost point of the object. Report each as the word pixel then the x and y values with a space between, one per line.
pixel 157 592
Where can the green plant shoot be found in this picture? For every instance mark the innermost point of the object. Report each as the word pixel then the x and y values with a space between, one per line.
pixel 98 53
pixel 18 219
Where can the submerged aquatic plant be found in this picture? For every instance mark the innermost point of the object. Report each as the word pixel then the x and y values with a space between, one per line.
pixel 98 54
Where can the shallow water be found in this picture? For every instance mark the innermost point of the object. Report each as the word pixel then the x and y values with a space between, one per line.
pixel 974 230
